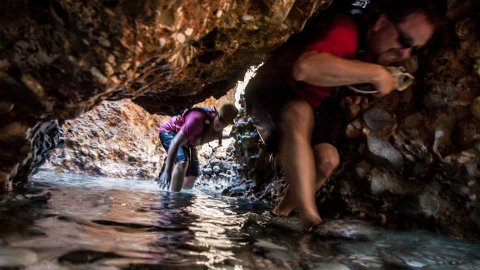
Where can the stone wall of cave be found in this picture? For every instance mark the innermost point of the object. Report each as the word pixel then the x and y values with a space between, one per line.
pixel 115 139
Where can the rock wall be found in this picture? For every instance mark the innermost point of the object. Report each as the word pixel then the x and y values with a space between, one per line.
pixel 45 137
pixel 115 139
pixel 60 58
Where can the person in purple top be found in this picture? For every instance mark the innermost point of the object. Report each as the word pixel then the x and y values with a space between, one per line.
pixel 179 136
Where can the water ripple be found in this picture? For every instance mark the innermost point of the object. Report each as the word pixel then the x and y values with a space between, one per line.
pixel 78 222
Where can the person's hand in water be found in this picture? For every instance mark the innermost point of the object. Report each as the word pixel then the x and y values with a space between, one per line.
pixel 164 181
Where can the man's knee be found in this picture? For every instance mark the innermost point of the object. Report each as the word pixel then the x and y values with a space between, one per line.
pixel 182 165
pixel 327 159
pixel 295 109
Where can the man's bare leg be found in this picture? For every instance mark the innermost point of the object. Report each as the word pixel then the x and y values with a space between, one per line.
pixel 287 203
pixel 327 160
pixel 178 175
pixel 297 158
pixel 189 182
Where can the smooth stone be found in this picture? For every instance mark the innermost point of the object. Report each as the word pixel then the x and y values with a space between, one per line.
pixel 16 257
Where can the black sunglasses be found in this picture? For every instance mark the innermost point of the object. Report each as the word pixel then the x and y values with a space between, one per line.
pixel 405 41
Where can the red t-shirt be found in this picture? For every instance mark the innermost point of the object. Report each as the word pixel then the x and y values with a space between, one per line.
pixel 191 124
pixel 342 41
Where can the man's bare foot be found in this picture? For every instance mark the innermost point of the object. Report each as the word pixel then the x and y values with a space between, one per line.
pixel 282 211
pixel 311 221
pixel 286 205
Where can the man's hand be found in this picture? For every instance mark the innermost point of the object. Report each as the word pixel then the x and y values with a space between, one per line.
pixel 164 181
pixel 384 81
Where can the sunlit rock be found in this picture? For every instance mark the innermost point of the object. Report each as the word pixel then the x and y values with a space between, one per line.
pixel 116 139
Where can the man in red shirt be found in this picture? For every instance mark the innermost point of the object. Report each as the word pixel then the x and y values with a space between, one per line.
pixel 179 136
pixel 284 102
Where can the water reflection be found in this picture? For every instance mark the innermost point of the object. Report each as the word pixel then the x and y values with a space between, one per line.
pixel 77 222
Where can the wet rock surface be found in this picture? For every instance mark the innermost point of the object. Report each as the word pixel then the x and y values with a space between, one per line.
pixel 338 229
pixel 377 119
pixel 45 137
pixel 382 153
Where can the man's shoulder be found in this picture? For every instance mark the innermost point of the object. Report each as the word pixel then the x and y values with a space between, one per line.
pixel 195 113
pixel 199 116
pixel 201 110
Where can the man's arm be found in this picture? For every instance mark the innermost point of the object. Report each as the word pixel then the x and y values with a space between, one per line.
pixel 327 70
pixel 178 141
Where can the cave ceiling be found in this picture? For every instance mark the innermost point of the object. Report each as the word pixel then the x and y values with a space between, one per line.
pixel 61 58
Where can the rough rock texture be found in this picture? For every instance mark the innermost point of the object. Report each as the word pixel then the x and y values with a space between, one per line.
pixel 382 153
pixel 45 136
pixel 115 139
pixel 60 58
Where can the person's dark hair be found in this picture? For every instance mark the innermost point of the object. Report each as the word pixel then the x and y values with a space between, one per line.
pixel 397 10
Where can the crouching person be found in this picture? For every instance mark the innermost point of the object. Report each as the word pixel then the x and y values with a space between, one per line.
pixel 179 136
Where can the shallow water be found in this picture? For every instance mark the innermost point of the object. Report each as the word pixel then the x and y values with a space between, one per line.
pixel 78 222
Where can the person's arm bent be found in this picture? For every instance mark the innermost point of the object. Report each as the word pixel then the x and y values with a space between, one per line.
pixel 327 70
pixel 178 141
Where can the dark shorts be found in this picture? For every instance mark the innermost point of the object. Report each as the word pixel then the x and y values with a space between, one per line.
pixel 265 101
pixel 184 153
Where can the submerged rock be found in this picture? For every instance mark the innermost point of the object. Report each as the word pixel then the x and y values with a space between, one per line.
pixel 341 229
